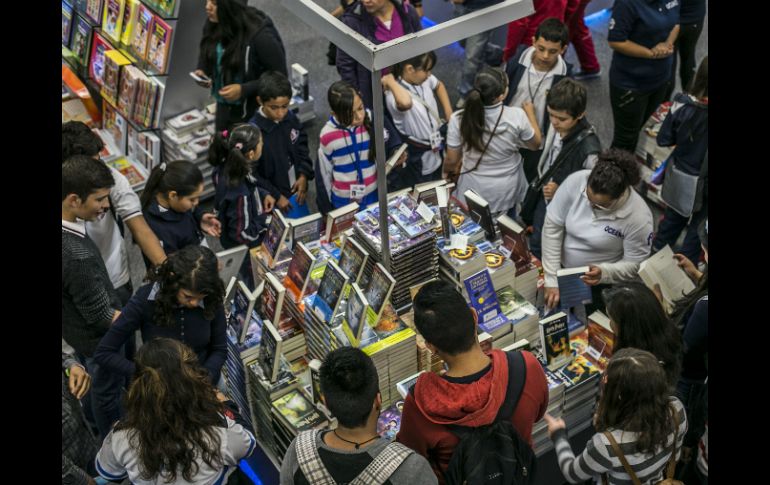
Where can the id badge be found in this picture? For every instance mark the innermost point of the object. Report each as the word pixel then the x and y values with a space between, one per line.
pixel 436 141
pixel 357 191
pixel 292 176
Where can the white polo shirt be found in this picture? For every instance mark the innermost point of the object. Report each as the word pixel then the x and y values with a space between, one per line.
pixel 105 232
pixel 595 237
pixel 418 122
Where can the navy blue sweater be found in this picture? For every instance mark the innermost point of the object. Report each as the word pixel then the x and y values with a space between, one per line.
pixel 285 144
pixel 687 127
pixel 175 230
pixel 239 212
pixel 207 338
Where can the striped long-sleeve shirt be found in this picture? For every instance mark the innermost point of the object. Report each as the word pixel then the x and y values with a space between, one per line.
pixel 599 457
pixel 344 155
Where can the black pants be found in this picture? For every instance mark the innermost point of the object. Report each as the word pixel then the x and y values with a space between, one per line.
pixel 630 109
pixel 685 47
pixel 535 240
pixel 671 227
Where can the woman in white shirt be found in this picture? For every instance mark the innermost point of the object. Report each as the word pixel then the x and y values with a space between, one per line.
pixel 597 219
pixel 483 143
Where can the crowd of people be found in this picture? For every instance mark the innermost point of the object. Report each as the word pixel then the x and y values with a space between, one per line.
pixel 518 135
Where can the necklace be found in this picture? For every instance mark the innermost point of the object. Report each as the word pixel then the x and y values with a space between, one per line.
pixel 357 445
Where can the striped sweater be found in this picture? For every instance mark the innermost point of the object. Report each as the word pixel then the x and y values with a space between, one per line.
pixel 344 161
pixel 599 457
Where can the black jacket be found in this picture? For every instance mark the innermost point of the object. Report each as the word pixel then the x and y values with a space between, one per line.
pixel 285 144
pixel 576 157
pixel 264 52
pixel 175 230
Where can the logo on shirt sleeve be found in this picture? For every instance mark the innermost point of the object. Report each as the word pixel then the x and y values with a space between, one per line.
pixel 672 4
pixel 649 238
pixel 612 23
pixel 294 135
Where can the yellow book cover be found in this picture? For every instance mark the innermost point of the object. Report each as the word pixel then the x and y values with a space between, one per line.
pixel 130 14
pixel 113 18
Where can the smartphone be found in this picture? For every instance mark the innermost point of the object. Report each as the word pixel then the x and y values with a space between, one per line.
pixel 201 79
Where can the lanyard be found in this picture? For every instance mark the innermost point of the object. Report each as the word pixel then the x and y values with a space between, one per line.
pixel 413 91
pixel 529 84
pixel 355 155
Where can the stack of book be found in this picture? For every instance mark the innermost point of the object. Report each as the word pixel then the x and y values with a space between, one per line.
pixel 427 360
pixel 521 313
pixel 318 333
pixel 187 136
pixel 463 223
pixel 501 268
pixel 234 375
pixel 413 260
pixel 292 413
pixel 581 378
pixel 540 439
pixel 513 241
pixel 261 394
pixel 458 264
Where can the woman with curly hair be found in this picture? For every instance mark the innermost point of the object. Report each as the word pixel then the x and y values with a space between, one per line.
pixel 636 414
pixel 183 301
pixel 638 320
pixel 177 428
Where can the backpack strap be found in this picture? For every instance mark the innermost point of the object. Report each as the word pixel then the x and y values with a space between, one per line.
pixel 383 466
pixel 619 453
pixel 310 461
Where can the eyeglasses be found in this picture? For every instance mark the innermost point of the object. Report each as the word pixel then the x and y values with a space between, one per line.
pixel 596 206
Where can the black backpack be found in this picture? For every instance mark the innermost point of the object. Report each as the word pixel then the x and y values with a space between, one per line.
pixel 494 454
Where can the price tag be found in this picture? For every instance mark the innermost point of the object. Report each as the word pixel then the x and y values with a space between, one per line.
pixel 459 241
pixel 425 212
pixel 405 210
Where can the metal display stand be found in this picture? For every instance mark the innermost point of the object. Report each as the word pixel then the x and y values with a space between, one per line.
pixel 376 57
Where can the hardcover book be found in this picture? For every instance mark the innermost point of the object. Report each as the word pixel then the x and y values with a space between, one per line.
pixel 243 304
pixel 306 229
pixel 573 291
pixel 299 413
pixel 94 11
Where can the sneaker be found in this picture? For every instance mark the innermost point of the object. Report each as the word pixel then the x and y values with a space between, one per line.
pixel 584 75
pixel 460 103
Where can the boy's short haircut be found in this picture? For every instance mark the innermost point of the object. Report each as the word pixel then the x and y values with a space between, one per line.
pixel 78 139
pixel 553 30
pixel 568 95
pixel 443 318
pixel 273 84
pixel 82 175
pixel 349 384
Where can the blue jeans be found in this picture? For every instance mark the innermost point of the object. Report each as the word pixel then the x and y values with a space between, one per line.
pixel 478 50
pixel 104 399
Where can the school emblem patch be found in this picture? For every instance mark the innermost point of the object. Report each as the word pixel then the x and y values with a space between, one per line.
pixel 294 135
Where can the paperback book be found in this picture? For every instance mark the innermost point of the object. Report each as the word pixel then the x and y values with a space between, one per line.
pixel 329 293
pixel 554 337
pixel 355 314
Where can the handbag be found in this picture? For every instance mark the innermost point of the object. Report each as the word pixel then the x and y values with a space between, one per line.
pixel 534 190
pixel 680 189
pixel 670 469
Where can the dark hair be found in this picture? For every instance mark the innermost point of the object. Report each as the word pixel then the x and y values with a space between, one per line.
pixel 349 383
pixel 273 84
pixel 181 176
pixel 568 95
pixel 553 30
pixel 636 399
pixel 684 305
pixel 235 26
pixel 699 86
pixel 78 139
pixel 82 175
pixel 424 62
pixel 231 151
pixel 341 97
pixel 171 412
pixel 192 268
pixel 443 318
pixel 642 323
pixel 614 172
pixel 490 84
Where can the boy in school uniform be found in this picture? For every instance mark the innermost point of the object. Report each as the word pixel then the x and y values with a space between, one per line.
pixel 531 75
pixel 89 302
pixel 284 168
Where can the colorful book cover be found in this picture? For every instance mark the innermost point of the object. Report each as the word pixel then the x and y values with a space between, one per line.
pixel 353 259
pixel 298 274
pixel 484 300
pixel 378 292
pixel 276 237
pixel 554 337
pixel 329 291
pixel 243 304
pixel 389 422
pixel 298 412
pixel 601 339
pixel 160 40
pixel 271 348
pixel 66 23
pixel 112 22
pixel 355 314
pixel 113 60
pixel 579 370
pixel 403 210
pixel 514 240
pixel 81 39
pixel 166 7
pixel 253 337
pixel 94 11
pixel 272 298
pixel 96 64
pixel 129 84
pixel 141 35
pixel 130 15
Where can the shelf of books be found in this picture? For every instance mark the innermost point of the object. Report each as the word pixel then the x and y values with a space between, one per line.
pixel 123 52
pixel 651 156
pixel 320 285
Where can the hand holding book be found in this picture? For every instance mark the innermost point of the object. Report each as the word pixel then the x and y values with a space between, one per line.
pixel 684 262
pixel 593 276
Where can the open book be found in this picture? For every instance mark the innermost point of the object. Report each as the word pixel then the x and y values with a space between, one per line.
pixel 661 268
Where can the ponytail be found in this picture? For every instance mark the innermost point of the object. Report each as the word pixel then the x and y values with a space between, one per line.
pixel 181 176
pixel 489 85
pixel 230 149
pixel 614 172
